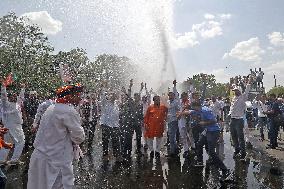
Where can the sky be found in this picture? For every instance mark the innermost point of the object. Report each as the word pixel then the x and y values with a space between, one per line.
pixel 220 37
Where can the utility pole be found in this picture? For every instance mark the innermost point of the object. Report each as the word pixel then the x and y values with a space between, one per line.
pixel 274 81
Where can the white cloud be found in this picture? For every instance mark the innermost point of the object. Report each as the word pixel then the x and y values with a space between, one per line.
pixel 249 50
pixel 208 29
pixel 209 16
pixel 220 75
pixel 276 39
pixel 43 19
pixel 188 39
pixel 225 16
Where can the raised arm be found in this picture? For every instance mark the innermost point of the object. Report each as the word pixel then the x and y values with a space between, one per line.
pixel 21 97
pixel 4 96
pixel 175 89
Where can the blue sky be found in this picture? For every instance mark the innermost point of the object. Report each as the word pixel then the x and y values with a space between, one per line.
pixel 213 36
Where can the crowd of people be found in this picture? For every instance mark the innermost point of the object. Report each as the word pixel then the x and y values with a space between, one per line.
pixel 62 127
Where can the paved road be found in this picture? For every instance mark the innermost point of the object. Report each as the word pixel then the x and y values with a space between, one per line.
pixel 259 171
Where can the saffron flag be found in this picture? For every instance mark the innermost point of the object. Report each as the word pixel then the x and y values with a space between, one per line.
pixel 9 79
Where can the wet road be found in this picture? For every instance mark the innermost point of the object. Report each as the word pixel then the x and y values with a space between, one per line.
pixel 259 171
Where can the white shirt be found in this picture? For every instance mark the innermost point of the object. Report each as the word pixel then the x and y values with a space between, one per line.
pixel 109 112
pixel 238 104
pixel 261 107
pixel 216 108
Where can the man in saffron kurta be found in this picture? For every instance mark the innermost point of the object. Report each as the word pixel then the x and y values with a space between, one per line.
pixel 154 121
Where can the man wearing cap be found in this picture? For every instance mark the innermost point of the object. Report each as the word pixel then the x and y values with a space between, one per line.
pixel 237 112
pixel 59 132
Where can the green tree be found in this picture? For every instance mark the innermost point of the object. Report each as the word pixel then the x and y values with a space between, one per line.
pixel 117 71
pixel 279 91
pixel 25 51
pixel 212 87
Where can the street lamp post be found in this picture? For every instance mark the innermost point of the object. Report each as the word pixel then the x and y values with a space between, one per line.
pixel 275 84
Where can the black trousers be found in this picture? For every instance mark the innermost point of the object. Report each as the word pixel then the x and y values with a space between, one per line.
pixel 111 134
pixel 126 141
pixel 91 132
pixel 138 131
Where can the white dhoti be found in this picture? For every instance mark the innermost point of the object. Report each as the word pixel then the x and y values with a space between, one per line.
pixel 45 174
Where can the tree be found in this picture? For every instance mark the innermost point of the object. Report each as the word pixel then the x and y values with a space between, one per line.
pixel 279 91
pixel 25 51
pixel 212 87
pixel 117 71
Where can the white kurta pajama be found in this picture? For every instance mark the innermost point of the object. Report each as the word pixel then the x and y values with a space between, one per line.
pixel 51 162
pixel 12 119
pixel 185 133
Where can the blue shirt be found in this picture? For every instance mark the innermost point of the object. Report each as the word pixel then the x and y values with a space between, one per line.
pixel 206 115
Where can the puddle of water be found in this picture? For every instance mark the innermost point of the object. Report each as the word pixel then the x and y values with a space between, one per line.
pixel 259 171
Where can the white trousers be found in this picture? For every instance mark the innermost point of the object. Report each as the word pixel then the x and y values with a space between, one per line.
pixel 186 138
pixel 19 146
pixel 150 142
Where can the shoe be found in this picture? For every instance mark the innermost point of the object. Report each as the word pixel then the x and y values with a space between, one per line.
pixel 15 162
pixel 157 155
pixel 152 154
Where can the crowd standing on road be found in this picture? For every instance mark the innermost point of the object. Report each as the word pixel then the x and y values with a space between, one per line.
pixel 62 127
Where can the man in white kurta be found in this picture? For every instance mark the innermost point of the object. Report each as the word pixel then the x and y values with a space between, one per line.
pixel 51 162
pixel 12 119
pixel 40 111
